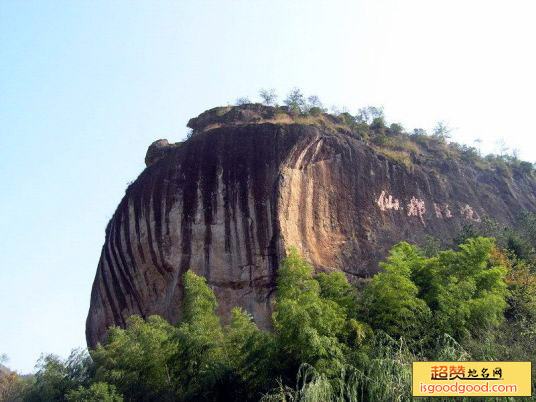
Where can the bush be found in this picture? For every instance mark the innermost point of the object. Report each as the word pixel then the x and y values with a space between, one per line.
pixel 399 156
pixel 98 392
pixel 391 301
pixel 396 129
pixel 242 101
pixel 135 359
pixel 526 167
pixel 465 289
pixel 295 101
pixel 342 344
pixel 307 325
pixel 269 97
pixel 12 387
pixel 55 377
pixel 369 114
pixel 441 131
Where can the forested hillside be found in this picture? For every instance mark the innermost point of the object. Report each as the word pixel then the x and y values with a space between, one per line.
pixel 331 341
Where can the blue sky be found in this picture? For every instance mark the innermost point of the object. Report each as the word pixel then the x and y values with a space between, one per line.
pixel 86 86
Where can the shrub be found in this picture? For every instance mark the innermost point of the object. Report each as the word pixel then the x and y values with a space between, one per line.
pixel 465 289
pixel 242 101
pixel 526 167
pixel 391 301
pixel 295 101
pixel 313 106
pixel 135 359
pixel 315 111
pixel 12 387
pixel 56 377
pixel 441 131
pixel 269 97
pixel 199 362
pixel 306 324
pixel 396 129
pixel 98 392
pixel 344 345
pixel 369 114
pixel 399 156
pixel 378 124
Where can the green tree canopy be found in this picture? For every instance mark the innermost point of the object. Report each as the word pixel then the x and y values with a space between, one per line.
pixel 97 392
pixel 135 359
pixel 391 302
pixel 308 326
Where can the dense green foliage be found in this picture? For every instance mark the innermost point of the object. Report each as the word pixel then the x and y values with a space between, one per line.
pixel 321 320
pixel 460 293
pixel 391 301
pixel 55 378
pixel 97 392
pixel 331 341
pixel 136 360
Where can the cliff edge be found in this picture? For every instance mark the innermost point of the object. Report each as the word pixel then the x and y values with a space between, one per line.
pixel 252 181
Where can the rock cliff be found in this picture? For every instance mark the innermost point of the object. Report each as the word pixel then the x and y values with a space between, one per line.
pixel 252 181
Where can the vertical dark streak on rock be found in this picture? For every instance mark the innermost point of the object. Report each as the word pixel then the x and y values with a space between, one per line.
pixel 242 175
pixel 317 186
pixel 209 186
pixel 227 193
pixel 171 189
pixel 125 218
pixel 122 279
pixel 156 195
pixel 136 195
pixel 130 253
pixel 147 198
pixel 118 248
pixel 188 181
pixel 111 300
pixel 274 198
pixel 230 177
pixel 234 203
pixel 161 182
pixel 227 213
pixel 302 219
pixel 258 189
pixel 118 291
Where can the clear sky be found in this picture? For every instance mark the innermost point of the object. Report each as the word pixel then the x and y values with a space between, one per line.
pixel 86 86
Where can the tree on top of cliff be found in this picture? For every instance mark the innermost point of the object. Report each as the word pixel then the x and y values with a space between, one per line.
pixel 295 101
pixel 442 131
pixel 369 114
pixel 268 96
pixel 243 101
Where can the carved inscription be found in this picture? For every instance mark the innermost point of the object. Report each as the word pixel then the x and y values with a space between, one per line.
pixel 469 214
pixel 417 207
pixel 388 202
pixel 442 211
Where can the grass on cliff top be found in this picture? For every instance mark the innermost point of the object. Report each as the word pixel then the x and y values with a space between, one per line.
pixel 393 141
pixel 282 117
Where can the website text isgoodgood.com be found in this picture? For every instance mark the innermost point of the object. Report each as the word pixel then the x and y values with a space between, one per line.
pixel 464 389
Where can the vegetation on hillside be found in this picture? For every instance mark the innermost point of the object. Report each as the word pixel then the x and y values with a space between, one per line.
pixel 433 150
pixel 369 124
pixel 331 341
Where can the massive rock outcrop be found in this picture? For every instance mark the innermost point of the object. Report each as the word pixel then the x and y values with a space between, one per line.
pixel 252 181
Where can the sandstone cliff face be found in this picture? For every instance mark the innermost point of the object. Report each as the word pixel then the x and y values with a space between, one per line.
pixel 228 202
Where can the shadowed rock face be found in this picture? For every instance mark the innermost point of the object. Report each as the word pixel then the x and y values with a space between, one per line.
pixel 228 202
